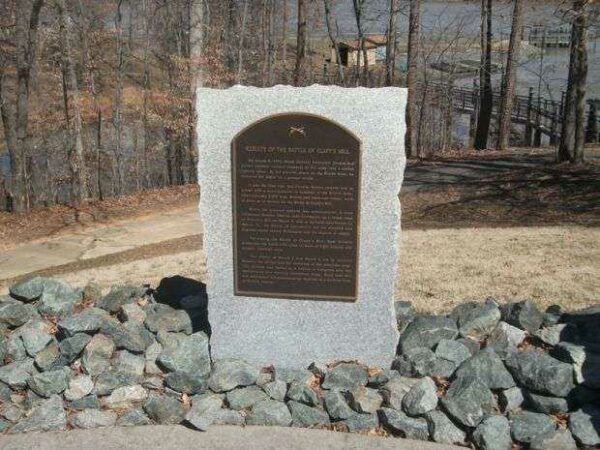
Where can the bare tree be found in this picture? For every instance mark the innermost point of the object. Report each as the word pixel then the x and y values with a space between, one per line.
pixel 118 106
pixel 486 97
pixel 333 39
pixel 390 49
pixel 79 189
pixel 414 31
pixel 572 141
pixel 510 76
pixel 301 62
pixel 15 112
pixel 361 75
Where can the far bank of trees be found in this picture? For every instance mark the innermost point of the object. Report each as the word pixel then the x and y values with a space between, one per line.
pixel 97 98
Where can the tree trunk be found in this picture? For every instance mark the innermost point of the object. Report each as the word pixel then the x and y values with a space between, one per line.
pixel 241 43
pixel 414 29
pixel 301 69
pixel 333 39
pixel 486 97
pixel 390 49
pixel 362 69
pixel 118 112
pixel 284 23
pixel 572 135
pixel 79 189
pixel 510 76
pixel 197 75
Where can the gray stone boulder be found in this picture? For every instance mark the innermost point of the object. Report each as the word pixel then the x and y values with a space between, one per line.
pixel 454 352
pixel 16 374
pixel 380 378
pixel 585 425
pixel 524 315
pixel 131 366
pixel 396 389
pixel 488 368
pixel 468 400
pixel 427 331
pixel 130 336
pixel 511 399
pixel 185 353
pixel 359 422
pixel 204 411
pixel 365 400
pixel 113 378
pixel 165 410
pixel 227 374
pixel 345 376
pixel 276 390
pixel 226 416
pixel 97 354
pixel 125 396
pixel 527 427
pixel 87 402
pixel 151 355
pixel 289 375
pixel 245 397
pixel 31 289
pixel 476 319
pixel 421 398
pixel 132 312
pixel 337 406
pixel 93 418
pixel 443 430
pixel 546 405
pixel 133 418
pixel 35 336
pixel 505 339
pixel 560 440
pixel 554 334
pixel 49 357
pixel 585 362
pixel 14 314
pixel 493 433
pixel 47 384
pixel 306 416
pixel 58 299
pixel 119 296
pixel 186 382
pixel 303 393
pixel 79 387
pixel 166 318
pixel 422 362
pixel 88 321
pixel 399 423
pixel 541 373
pixel 471 344
pixel 269 412
pixel 71 348
pixel 11 412
pixel 49 415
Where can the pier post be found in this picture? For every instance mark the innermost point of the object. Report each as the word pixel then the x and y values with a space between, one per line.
pixel 529 119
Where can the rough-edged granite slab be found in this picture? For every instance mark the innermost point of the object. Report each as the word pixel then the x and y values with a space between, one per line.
pixel 294 333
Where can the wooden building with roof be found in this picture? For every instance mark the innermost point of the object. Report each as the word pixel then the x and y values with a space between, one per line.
pixel 374 45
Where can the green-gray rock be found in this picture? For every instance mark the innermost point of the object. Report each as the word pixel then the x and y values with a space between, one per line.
pixel 345 376
pixel 125 396
pixel 306 416
pixel 47 384
pixel 119 296
pixel 58 299
pixel 560 440
pixel 227 374
pixel 97 354
pixel 489 368
pixel 79 387
pixel 186 382
pixel 421 398
pixel 541 373
pixel 133 418
pixel 72 347
pixel 17 373
pixel 493 433
pixel 245 397
pixel 585 425
pixel 166 318
pixel 14 314
pixel 468 400
pixel 443 430
pixel 185 353
pixel 545 404
pixel 476 319
pixel 35 337
pixel 394 391
pixel 399 423
pixel 365 400
pixel 269 412
pixel 427 331
pixel 88 321
pixel 302 393
pixel 164 410
pixel 276 390
pixel 336 405
pixel 203 411
pixel 528 426
pixel 93 418
pixel 87 402
pixel 48 416
pixel 524 315
pixel 358 422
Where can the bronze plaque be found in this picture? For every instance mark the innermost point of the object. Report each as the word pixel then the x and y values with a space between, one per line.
pixel 296 203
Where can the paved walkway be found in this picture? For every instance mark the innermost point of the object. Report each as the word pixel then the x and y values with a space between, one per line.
pixel 216 438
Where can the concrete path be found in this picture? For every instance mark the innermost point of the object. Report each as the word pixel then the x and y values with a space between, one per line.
pixel 216 438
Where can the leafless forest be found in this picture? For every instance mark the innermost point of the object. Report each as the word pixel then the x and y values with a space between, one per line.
pixel 97 97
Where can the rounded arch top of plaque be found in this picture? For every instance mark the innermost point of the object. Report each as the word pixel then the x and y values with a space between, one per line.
pixel 296 208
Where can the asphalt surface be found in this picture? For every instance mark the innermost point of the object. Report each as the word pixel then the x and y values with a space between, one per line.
pixel 177 437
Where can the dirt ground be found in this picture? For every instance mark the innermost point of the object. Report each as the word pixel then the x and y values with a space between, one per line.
pixel 506 228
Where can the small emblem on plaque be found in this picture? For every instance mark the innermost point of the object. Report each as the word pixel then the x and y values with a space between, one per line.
pixel 297 131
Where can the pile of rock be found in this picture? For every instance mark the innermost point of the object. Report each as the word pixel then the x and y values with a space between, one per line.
pixel 486 374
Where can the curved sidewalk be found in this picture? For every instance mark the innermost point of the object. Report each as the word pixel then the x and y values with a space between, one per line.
pixel 216 438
